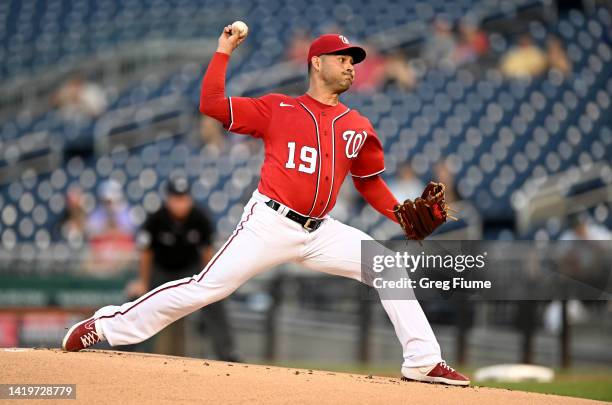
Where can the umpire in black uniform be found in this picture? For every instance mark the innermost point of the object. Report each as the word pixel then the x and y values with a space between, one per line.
pixel 176 242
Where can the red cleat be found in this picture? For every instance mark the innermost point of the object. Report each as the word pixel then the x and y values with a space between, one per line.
pixel 439 373
pixel 81 335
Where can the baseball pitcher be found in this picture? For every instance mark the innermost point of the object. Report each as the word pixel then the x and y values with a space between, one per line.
pixel 312 142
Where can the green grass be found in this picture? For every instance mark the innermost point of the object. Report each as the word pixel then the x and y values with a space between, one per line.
pixel 589 384
pixel 590 389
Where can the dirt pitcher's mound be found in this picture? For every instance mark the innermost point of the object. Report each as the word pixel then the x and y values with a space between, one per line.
pixel 109 377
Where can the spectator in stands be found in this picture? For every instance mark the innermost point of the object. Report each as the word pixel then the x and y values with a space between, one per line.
pixel 557 58
pixel 581 227
pixel 176 242
pixel 72 224
pixel 581 262
pixel 112 213
pixel 298 47
pixel 370 74
pixel 398 71
pixel 78 98
pixel 473 43
pixel 525 60
pixel 443 174
pixel 439 47
pixel 211 132
pixel 407 184
pixel 110 231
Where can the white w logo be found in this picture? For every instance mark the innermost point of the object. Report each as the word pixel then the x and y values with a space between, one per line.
pixel 354 142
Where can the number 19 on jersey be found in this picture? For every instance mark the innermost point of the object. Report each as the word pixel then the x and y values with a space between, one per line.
pixel 308 157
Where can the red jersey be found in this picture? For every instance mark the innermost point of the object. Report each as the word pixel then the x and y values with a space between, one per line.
pixel 310 147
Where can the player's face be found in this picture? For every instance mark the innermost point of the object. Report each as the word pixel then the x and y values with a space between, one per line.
pixel 337 72
pixel 179 205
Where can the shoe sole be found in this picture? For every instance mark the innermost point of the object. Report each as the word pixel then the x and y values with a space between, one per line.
pixel 65 340
pixel 438 380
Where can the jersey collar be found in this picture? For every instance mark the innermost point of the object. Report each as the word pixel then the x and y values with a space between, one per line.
pixel 317 105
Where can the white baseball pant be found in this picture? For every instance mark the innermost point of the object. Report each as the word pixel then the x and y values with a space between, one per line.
pixel 264 239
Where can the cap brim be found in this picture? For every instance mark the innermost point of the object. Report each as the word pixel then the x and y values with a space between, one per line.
pixel 358 53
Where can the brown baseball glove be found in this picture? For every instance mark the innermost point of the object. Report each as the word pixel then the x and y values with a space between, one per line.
pixel 419 218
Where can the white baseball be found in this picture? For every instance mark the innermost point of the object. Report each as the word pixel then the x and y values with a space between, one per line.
pixel 241 28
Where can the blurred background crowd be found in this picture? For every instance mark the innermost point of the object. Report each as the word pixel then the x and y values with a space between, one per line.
pixel 506 102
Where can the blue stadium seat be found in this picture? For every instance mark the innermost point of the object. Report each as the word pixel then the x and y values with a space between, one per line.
pixel 497 132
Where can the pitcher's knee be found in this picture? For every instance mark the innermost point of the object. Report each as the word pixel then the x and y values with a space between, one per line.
pixel 213 292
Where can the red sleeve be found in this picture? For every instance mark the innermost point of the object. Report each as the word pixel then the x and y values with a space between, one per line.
pixel 375 191
pixel 371 158
pixel 237 114
pixel 212 95
pixel 250 115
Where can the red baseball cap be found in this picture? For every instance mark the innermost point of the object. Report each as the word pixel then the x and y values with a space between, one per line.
pixel 335 43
